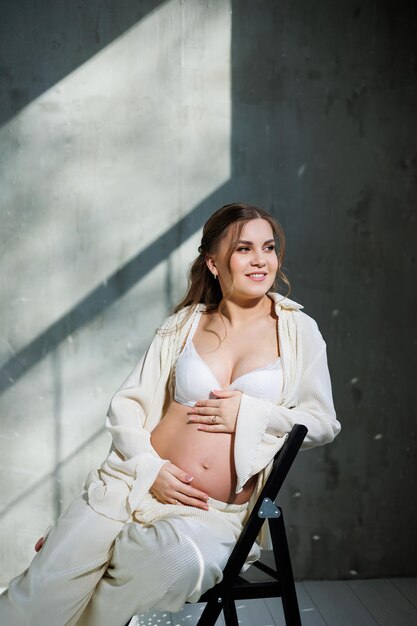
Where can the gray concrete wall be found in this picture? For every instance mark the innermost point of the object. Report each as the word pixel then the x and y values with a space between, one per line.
pixel 123 126
pixel 325 132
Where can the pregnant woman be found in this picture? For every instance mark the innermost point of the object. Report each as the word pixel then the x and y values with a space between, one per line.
pixel 194 430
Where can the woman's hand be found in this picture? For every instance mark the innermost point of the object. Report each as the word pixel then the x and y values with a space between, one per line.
pixel 218 415
pixel 172 487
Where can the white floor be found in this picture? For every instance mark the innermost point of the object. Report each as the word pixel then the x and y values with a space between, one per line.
pixel 383 602
pixel 373 602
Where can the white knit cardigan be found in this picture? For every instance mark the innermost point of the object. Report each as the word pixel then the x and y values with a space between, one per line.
pixel 132 465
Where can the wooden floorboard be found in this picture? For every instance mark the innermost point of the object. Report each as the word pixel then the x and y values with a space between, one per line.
pixel 385 601
pixel 374 602
pixel 382 601
pixel 190 615
pixel 251 612
pixel 408 586
pixel 338 604
pixel 310 613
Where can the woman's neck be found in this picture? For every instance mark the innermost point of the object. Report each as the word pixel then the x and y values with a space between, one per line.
pixel 242 312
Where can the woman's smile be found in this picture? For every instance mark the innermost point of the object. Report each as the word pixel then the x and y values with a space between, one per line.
pixel 257 276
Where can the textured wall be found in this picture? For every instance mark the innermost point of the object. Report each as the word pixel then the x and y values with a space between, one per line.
pixel 110 149
pixel 123 126
pixel 325 131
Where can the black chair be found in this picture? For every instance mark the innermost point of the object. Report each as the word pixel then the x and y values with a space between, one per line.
pixel 233 586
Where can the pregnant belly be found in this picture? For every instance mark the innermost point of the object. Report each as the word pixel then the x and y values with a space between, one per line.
pixel 208 457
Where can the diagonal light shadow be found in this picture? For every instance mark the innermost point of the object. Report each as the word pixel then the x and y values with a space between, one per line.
pixel 61 37
pixel 110 290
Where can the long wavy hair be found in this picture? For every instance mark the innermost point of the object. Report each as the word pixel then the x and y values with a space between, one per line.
pixel 202 286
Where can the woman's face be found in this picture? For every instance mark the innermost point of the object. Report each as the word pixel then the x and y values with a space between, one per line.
pixel 253 264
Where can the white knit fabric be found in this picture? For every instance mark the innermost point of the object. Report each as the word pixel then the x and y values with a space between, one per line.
pixel 172 556
pixel 95 571
pixel 63 574
pixel 261 429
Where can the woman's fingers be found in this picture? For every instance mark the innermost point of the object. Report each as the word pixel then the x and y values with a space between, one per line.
pixel 213 423
pixel 179 473
pixel 208 402
pixel 172 484
pixel 219 415
pixel 185 480
pixel 213 428
pixel 184 490
pixel 206 419
pixel 190 497
pixel 190 501
pixel 204 410
pixel 193 493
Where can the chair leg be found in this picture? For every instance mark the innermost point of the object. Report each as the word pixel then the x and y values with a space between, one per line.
pixel 211 612
pixel 229 610
pixel 284 569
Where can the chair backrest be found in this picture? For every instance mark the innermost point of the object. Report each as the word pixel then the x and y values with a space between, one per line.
pixel 281 466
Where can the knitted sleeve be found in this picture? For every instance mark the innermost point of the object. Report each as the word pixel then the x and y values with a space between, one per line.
pixel 315 408
pixel 262 426
pixel 132 460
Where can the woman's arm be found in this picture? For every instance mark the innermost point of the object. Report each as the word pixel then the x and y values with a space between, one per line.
pixel 315 408
pixel 140 463
pixel 132 456
pixel 262 426
pixel 132 464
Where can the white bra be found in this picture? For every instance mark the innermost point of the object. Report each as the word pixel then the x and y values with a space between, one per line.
pixel 194 379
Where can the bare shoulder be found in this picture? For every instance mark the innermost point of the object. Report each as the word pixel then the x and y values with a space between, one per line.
pixel 210 320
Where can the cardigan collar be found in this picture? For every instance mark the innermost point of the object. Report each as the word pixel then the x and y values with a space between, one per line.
pixel 283 302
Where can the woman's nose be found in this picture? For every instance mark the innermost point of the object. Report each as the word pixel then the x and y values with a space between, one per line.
pixel 258 259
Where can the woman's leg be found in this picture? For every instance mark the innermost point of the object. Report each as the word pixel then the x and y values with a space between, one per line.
pixel 160 565
pixel 64 573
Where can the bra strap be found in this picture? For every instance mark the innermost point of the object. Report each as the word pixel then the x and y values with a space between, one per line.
pixel 193 327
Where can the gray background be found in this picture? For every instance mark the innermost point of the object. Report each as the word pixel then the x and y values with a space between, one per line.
pixel 124 125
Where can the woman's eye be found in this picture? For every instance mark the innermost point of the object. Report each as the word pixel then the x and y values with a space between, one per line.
pixel 242 248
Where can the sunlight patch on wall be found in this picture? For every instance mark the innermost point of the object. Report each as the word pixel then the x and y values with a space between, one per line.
pixel 109 158
pixel 92 172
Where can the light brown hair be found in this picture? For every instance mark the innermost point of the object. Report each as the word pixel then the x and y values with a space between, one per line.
pixel 202 286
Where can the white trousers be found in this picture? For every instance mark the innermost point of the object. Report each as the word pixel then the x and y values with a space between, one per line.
pixel 95 571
